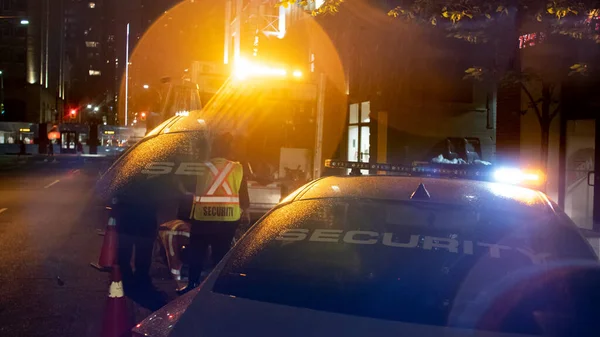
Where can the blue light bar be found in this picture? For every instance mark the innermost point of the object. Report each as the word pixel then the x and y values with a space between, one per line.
pixel 468 171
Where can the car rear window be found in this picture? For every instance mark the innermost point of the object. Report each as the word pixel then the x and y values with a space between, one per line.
pixel 401 261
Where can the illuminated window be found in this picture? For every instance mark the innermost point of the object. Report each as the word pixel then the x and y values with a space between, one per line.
pixel 359 132
pixel 92 44
pixel 92 5
pixel 95 72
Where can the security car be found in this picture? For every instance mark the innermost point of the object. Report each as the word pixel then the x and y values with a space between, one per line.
pixel 418 251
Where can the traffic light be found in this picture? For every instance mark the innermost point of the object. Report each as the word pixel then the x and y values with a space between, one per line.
pixel 73 113
pixel 143 116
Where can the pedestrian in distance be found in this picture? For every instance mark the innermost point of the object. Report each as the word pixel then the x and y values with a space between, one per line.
pixel 50 153
pixel 220 204
pixel 22 149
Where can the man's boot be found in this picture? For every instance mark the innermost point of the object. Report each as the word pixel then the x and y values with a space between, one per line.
pixel 190 286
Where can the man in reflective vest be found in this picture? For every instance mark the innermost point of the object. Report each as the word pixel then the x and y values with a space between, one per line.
pixel 220 203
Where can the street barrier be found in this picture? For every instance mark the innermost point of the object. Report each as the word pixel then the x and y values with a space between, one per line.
pixel 117 320
pixel 108 253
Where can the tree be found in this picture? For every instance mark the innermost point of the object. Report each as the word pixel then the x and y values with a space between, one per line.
pixel 471 19
pixel 486 23
pixel 540 104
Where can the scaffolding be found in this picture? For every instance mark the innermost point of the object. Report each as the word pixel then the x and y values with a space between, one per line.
pixel 248 21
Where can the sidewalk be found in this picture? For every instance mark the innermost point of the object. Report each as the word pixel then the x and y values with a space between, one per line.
pixel 29 156
pixel 12 161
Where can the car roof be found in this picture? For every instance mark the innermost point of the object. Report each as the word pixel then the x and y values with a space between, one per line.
pixel 458 192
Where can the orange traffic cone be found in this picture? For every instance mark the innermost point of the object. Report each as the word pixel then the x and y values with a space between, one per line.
pixel 108 254
pixel 117 321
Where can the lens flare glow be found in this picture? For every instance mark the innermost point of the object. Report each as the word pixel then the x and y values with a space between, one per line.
pixel 516 177
pixel 245 69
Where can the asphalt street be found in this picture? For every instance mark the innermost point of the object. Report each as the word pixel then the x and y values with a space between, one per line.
pixel 48 236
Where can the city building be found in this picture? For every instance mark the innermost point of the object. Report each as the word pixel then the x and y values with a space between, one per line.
pixel 90 30
pixel 33 70
pixel 132 20
pixel 151 10
pixel 99 36
pixel 403 90
pixel 570 126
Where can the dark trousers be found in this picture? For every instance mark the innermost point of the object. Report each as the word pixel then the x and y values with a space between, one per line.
pixel 136 227
pixel 218 235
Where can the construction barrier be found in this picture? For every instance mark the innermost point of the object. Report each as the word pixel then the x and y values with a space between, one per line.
pixel 108 253
pixel 117 321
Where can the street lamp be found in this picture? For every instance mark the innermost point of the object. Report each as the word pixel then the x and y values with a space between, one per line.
pixel 23 21
pixel 96 109
pixel 1 92
pixel 89 106
pixel 147 87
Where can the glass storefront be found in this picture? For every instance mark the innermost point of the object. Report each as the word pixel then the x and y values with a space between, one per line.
pixel 15 132
pixel 580 155
pixel 8 137
pixel 27 137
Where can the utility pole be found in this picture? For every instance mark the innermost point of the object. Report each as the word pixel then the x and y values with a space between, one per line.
pixel 127 76
pixel 2 93
pixel 318 159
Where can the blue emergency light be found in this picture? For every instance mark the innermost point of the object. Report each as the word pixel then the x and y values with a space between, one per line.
pixel 464 171
pixel 473 171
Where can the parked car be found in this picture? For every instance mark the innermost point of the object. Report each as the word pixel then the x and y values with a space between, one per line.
pixel 389 255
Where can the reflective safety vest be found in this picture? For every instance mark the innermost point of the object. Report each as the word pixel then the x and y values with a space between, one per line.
pixel 217 193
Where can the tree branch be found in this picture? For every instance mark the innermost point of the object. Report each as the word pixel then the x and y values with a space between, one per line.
pixel 551 89
pixel 555 112
pixel 533 102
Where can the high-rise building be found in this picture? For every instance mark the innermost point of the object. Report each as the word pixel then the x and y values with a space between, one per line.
pixel 151 10
pixel 33 68
pixel 132 20
pixel 91 36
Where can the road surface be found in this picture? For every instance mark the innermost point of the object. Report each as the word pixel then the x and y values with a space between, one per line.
pixel 48 237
